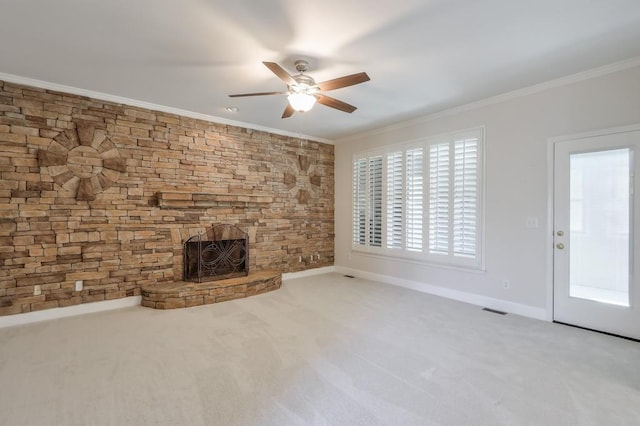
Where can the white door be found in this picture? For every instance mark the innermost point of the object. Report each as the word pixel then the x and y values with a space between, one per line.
pixel 596 223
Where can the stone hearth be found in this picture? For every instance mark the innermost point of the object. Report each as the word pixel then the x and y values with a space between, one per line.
pixel 172 295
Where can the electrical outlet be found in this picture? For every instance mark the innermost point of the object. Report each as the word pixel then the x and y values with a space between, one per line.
pixel 506 284
pixel 299 259
pixel 79 285
pixel 318 256
pixel 37 290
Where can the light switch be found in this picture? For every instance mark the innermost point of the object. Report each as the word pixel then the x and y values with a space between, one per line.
pixel 531 222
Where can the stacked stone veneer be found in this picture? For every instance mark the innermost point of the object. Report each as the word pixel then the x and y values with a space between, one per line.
pixel 106 193
pixel 172 295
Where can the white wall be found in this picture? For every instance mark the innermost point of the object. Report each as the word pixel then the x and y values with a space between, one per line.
pixel 517 131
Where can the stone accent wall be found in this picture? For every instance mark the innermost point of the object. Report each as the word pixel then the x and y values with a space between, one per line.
pixel 105 193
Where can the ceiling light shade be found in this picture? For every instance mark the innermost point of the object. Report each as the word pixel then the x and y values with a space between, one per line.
pixel 301 101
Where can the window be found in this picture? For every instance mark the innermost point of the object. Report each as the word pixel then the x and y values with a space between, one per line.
pixel 453 200
pixel 395 200
pixel 375 201
pixel 421 201
pixel 359 201
pixel 367 201
pixel 439 198
pixel 414 217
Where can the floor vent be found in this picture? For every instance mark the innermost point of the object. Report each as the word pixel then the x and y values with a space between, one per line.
pixel 349 276
pixel 493 311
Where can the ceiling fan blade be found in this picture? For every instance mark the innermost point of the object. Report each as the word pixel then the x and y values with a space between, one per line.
pixel 258 94
pixel 280 72
pixel 288 111
pixel 347 80
pixel 335 103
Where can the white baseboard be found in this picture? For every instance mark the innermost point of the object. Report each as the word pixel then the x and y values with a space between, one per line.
pixel 462 296
pixel 308 273
pixel 107 305
pixel 69 311
pixel 474 299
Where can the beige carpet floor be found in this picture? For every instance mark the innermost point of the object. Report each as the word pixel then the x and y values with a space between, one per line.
pixel 325 350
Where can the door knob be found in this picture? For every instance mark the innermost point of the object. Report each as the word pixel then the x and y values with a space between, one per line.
pixel 560 233
pixel 560 246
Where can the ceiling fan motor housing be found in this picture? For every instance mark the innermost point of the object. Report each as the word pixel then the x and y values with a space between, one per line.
pixel 302 65
pixel 305 83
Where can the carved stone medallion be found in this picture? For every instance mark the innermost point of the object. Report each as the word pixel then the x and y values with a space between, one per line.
pixel 83 160
pixel 301 179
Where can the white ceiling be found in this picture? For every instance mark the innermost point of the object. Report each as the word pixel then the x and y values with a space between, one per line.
pixel 423 56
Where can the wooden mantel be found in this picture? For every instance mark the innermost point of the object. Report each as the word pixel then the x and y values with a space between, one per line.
pixel 201 200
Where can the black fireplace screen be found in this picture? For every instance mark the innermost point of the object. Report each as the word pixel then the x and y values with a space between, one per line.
pixel 223 252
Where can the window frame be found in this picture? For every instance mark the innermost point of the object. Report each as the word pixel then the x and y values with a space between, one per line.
pixel 424 256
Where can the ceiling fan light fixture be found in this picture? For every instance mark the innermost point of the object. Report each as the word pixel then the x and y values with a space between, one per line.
pixel 303 91
pixel 301 102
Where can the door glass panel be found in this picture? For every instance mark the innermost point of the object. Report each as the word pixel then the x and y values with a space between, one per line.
pixel 600 226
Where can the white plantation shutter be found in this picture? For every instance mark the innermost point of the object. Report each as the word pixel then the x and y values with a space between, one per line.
pixel 439 189
pixel 454 200
pixel 465 197
pixel 359 201
pixel 414 199
pixel 395 196
pixel 375 201
pixel 393 188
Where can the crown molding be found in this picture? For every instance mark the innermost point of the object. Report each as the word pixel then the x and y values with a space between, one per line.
pixel 11 78
pixel 507 96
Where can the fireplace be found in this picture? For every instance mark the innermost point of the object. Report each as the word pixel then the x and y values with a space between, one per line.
pixel 222 252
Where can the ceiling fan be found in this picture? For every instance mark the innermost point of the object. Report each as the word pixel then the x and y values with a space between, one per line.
pixel 303 92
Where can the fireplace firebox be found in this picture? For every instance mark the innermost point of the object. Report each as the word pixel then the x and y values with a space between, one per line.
pixel 220 253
